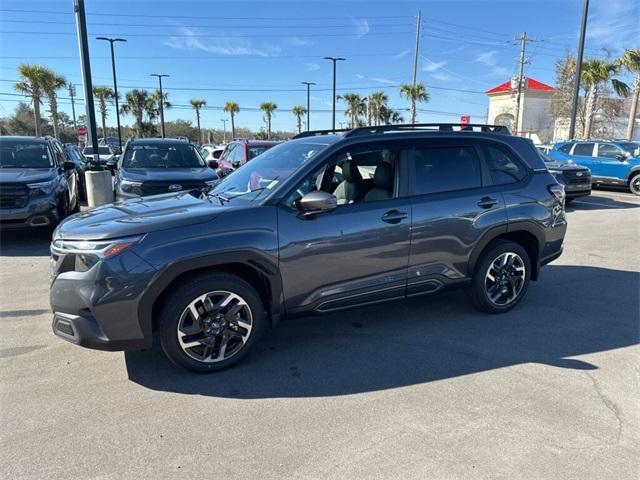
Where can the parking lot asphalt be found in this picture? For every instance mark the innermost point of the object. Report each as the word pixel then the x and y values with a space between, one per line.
pixel 426 388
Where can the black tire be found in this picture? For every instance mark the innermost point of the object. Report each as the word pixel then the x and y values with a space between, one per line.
pixel 634 184
pixel 478 289
pixel 567 201
pixel 175 304
pixel 63 208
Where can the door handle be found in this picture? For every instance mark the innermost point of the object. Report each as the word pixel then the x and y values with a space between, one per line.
pixel 487 202
pixel 394 216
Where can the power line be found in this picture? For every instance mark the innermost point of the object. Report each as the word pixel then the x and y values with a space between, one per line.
pixel 179 35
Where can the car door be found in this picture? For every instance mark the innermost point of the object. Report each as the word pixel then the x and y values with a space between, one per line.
pixel 453 202
pixel 355 254
pixel 612 161
pixel 582 154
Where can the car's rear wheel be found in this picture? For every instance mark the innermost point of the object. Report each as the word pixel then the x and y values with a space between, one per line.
pixel 501 278
pixel 634 184
pixel 210 322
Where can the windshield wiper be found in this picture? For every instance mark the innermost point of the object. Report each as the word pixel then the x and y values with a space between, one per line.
pixel 222 199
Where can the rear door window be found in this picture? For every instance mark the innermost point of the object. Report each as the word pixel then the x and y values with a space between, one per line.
pixel 584 149
pixel 503 165
pixel 445 169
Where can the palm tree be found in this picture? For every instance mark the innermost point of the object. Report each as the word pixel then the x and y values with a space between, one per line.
pixel 137 103
pixel 197 104
pixel 53 82
pixel 103 95
pixel 596 73
pixel 153 106
pixel 232 108
pixel 389 116
pixel 630 61
pixel 268 108
pixel 32 85
pixel 355 107
pixel 414 93
pixel 299 112
pixel 377 102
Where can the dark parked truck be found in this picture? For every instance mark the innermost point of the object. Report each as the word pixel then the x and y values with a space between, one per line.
pixel 320 223
pixel 38 183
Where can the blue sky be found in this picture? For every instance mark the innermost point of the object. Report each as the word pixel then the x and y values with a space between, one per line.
pixel 252 52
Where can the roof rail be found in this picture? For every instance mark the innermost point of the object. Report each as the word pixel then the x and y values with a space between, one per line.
pixel 440 127
pixel 315 133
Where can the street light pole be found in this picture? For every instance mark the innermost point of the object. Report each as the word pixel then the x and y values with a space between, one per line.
pixel 160 75
pixel 334 60
pixel 308 84
pixel 576 86
pixel 224 129
pixel 115 84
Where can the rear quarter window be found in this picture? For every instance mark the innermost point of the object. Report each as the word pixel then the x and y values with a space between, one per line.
pixel 503 166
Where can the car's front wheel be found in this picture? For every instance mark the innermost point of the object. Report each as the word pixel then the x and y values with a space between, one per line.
pixel 634 184
pixel 210 322
pixel 501 278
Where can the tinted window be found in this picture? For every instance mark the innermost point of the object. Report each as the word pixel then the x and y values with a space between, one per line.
pixel 101 151
pixel 631 147
pixel 162 156
pixel 566 148
pixel 255 151
pixel 18 154
pixel 446 169
pixel 503 166
pixel 608 150
pixel 583 149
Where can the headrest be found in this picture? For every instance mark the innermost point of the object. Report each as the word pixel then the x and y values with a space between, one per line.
pixel 383 176
pixel 350 171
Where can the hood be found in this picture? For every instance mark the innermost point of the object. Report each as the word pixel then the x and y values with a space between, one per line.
pixel 167 174
pixel 138 216
pixel 26 175
pixel 564 165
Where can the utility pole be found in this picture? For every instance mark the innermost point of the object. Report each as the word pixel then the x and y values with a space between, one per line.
pixel 72 94
pixel 522 61
pixel 334 60
pixel 85 67
pixel 115 85
pixel 160 75
pixel 308 84
pixel 224 129
pixel 415 58
pixel 576 87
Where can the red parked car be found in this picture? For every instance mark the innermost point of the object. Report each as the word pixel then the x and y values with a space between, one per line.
pixel 239 152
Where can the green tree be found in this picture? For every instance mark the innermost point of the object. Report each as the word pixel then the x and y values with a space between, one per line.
pixel 377 104
pixel 232 108
pixel 104 95
pixel 414 93
pixel 299 112
pixel 197 104
pixel 53 83
pixel 32 84
pixel 630 61
pixel 268 108
pixel 596 74
pixel 137 103
pixel 356 107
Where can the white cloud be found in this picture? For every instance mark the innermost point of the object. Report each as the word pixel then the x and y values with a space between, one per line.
pixel 614 24
pixel 498 72
pixel 403 53
pixel 360 77
pixel 361 26
pixel 383 80
pixel 487 58
pixel 300 42
pixel 441 76
pixel 433 66
pixel 232 46
pixel 312 67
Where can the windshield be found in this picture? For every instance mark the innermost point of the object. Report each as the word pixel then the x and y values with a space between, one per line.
pixel 101 151
pixel 630 147
pixel 20 154
pixel 162 156
pixel 267 170
pixel 255 151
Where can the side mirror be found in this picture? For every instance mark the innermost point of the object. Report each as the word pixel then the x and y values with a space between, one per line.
pixel 317 202
pixel 213 164
pixel 235 164
pixel 68 166
pixel 112 165
pixel 622 157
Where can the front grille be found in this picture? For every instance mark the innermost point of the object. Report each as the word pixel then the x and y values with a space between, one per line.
pixel 155 188
pixel 13 195
pixel 571 177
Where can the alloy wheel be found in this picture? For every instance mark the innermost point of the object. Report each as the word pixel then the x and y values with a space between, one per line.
pixel 505 279
pixel 635 185
pixel 215 326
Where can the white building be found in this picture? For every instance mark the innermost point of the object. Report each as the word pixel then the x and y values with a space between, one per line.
pixel 534 119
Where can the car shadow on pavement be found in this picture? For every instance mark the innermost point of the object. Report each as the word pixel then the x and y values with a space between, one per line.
pixel 595 202
pixel 572 311
pixel 25 243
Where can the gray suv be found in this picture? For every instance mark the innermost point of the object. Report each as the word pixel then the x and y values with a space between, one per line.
pixel 320 223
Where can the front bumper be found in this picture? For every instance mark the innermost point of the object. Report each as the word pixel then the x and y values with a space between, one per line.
pixel 37 213
pixel 86 332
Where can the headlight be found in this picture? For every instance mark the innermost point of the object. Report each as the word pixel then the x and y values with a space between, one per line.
pixel 88 253
pixel 555 172
pixel 129 186
pixel 41 188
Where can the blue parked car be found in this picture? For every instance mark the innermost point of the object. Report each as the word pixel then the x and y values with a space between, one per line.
pixel 615 162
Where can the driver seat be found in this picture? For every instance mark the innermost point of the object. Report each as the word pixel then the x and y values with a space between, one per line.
pixel 351 189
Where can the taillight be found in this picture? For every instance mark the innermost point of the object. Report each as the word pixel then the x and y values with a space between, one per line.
pixel 557 190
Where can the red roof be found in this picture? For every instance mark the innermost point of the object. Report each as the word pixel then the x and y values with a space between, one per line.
pixel 530 83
